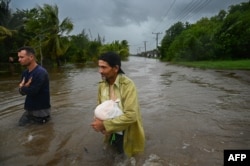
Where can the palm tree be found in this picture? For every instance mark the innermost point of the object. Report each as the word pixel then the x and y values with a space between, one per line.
pixel 125 49
pixel 9 26
pixel 48 31
pixel 120 48
pixel 6 18
pixel 4 32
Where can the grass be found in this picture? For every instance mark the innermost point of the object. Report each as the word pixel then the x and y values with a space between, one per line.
pixel 225 64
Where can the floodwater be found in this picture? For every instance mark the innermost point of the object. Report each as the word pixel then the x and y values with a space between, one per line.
pixel 190 116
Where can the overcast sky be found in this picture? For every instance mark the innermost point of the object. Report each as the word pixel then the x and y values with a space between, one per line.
pixel 131 20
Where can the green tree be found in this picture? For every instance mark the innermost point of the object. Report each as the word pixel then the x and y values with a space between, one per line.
pixel 121 48
pixel 77 51
pixel 169 37
pixel 5 12
pixel 235 33
pixel 4 32
pixel 8 30
pixel 94 50
pixel 196 42
pixel 124 52
pixel 48 32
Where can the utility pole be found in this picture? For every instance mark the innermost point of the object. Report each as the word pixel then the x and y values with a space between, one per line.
pixel 145 46
pixel 157 34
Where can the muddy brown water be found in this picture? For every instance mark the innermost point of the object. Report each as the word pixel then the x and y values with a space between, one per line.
pixel 190 116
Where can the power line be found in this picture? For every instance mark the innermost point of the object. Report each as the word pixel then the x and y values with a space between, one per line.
pixel 181 14
pixel 166 14
pixel 193 7
pixel 187 9
pixel 196 9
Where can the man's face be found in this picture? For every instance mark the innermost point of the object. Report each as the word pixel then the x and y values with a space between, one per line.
pixel 24 59
pixel 107 72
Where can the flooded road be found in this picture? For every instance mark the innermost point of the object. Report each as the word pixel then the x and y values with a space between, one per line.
pixel 190 116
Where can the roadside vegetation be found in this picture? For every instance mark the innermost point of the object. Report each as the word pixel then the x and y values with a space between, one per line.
pixel 221 37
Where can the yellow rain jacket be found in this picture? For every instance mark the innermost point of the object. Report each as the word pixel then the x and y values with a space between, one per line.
pixel 130 121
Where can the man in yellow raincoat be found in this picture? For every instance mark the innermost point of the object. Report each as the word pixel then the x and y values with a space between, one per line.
pixel 115 85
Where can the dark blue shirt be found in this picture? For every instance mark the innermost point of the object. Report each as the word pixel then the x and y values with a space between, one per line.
pixel 38 93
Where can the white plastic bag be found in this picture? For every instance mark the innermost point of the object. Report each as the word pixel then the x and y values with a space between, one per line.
pixel 107 110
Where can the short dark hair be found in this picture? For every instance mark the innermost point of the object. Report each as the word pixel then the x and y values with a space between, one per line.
pixel 28 49
pixel 112 59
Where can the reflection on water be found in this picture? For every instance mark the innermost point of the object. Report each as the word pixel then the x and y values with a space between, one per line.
pixel 39 135
pixel 190 116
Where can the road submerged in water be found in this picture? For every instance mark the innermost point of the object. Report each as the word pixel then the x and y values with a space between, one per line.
pixel 190 116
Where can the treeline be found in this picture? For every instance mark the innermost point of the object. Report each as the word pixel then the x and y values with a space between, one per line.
pixel 225 36
pixel 41 28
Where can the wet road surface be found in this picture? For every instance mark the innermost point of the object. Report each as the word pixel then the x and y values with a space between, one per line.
pixel 190 116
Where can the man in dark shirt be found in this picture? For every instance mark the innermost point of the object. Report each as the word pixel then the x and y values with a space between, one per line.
pixel 35 85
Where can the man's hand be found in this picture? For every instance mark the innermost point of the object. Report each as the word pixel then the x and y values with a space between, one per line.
pixel 22 83
pixel 27 84
pixel 98 126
